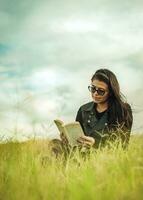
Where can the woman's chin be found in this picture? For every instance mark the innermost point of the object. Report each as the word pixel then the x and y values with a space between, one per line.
pixel 96 100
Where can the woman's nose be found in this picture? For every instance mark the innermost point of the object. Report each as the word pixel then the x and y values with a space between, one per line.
pixel 95 93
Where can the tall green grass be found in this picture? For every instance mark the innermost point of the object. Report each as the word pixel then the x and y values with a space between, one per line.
pixel 30 171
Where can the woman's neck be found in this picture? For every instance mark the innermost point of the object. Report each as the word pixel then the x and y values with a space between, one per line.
pixel 101 107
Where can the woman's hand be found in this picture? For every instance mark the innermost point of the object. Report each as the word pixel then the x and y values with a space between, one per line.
pixel 86 141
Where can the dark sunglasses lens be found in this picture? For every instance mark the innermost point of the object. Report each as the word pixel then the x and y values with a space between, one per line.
pixel 101 92
pixel 89 88
pixel 93 90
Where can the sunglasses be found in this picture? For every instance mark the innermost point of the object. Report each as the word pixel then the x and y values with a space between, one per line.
pixel 94 89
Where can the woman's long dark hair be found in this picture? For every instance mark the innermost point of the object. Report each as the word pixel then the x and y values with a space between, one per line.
pixel 119 112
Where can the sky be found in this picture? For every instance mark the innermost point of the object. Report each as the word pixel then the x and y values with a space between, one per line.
pixel 50 49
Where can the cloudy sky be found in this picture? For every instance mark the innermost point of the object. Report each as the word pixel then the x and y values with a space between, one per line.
pixel 49 51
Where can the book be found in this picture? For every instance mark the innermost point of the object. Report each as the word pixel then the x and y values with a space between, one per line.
pixel 72 131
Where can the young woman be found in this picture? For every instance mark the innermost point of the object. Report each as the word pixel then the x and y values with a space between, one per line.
pixel 108 117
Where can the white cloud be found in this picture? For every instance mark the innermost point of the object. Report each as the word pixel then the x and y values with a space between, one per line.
pixel 64 50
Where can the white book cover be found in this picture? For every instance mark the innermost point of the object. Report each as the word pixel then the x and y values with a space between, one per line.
pixel 72 131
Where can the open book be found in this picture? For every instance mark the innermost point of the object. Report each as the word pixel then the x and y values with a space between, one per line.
pixel 72 131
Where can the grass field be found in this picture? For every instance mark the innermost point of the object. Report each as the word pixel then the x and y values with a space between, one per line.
pixel 29 172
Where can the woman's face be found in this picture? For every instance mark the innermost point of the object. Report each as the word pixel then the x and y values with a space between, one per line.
pixel 102 88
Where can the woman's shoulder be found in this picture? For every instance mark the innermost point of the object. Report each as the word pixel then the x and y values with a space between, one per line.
pixel 87 106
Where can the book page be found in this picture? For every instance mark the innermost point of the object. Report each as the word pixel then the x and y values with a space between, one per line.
pixel 73 132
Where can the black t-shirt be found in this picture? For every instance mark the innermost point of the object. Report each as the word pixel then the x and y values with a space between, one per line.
pixel 99 114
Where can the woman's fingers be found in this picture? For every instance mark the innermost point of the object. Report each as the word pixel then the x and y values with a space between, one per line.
pixel 85 137
pixel 80 140
pixel 83 140
pixel 86 140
